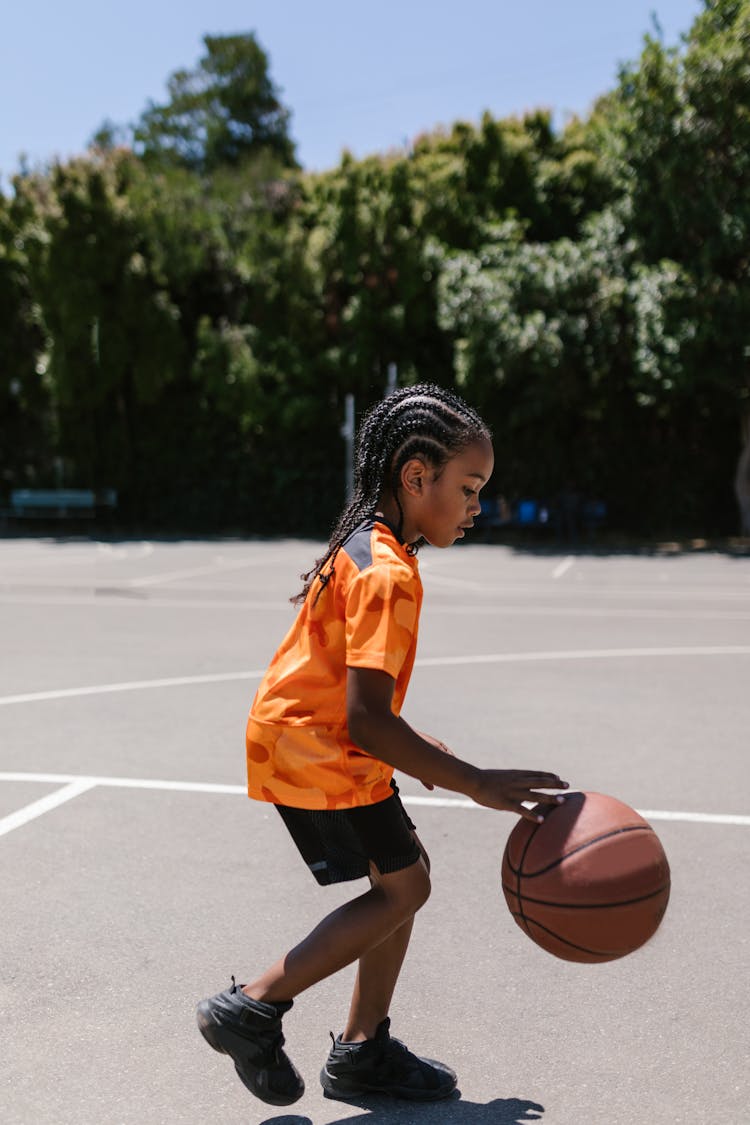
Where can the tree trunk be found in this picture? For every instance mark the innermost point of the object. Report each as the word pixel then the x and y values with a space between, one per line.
pixel 742 479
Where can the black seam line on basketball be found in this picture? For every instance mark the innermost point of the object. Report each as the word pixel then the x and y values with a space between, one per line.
pixel 518 880
pixel 588 905
pixel 606 953
pixel 580 848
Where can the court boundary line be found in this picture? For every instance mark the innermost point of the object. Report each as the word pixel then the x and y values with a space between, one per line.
pixel 72 789
pixel 121 598
pixel 74 785
pixel 421 662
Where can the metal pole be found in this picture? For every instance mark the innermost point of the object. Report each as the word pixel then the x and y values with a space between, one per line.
pixel 347 433
pixel 392 379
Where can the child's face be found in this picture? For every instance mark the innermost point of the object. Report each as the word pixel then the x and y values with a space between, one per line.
pixel 440 504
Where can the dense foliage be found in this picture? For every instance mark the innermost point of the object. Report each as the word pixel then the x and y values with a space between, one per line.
pixel 183 310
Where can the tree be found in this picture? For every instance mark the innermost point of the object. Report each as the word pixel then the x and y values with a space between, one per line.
pixel 678 133
pixel 378 300
pixel 25 418
pixel 510 168
pixel 113 336
pixel 563 345
pixel 222 113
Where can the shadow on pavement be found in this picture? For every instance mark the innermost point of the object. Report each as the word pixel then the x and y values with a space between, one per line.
pixel 452 1111
pixel 287 1120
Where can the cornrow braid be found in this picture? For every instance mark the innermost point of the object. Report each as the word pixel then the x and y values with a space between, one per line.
pixel 420 421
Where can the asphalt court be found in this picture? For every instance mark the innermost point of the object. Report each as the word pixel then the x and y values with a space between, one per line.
pixel 136 877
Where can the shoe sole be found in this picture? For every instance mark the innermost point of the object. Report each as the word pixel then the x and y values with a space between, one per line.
pixel 223 1040
pixel 209 1029
pixel 343 1091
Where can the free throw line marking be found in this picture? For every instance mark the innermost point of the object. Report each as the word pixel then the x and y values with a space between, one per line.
pixel 74 785
pixel 424 662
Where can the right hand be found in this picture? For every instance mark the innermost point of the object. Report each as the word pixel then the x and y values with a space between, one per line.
pixel 508 789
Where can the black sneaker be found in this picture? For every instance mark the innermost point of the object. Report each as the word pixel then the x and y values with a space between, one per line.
pixel 250 1032
pixel 384 1066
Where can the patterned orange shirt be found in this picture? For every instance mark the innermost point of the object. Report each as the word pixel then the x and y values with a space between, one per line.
pixel 299 752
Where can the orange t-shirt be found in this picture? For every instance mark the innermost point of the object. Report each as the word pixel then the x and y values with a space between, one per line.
pixel 299 752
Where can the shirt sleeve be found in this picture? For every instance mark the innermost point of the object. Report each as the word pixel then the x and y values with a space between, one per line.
pixel 382 611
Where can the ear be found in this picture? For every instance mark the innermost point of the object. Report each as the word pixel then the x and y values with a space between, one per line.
pixel 413 476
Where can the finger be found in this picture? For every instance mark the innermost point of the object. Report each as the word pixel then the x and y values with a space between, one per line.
pixel 547 798
pixel 533 814
pixel 427 785
pixel 534 780
pixel 537 813
pixel 533 793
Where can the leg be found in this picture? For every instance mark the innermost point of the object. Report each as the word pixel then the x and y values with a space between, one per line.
pixel 377 974
pixel 345 935
pixel 365 1059
pixel 376 980
pixel 248 1027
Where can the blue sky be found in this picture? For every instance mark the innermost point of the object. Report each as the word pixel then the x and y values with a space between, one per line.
pixel 362 76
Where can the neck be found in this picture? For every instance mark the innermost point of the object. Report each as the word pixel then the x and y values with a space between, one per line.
pixel 390 512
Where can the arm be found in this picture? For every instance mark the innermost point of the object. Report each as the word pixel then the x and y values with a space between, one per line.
pixel 374 728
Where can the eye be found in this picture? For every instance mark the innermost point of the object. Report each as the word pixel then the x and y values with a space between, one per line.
pixel 470 491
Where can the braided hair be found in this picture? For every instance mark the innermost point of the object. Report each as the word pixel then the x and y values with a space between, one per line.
pixel 420 421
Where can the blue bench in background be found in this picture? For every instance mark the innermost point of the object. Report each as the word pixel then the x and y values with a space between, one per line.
pixel 60 503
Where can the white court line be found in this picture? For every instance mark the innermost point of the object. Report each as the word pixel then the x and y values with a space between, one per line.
pixel 423 662
pixel 563 567
pixel 217 569
pixel 132 685
pixel 112 597
pixel 26 586
pixel 74 785
pixel 73 788
pixel 581 654
pixel 434 579
pixel 596 588
pixel 123 551
pixel 125 782
pixel 587 611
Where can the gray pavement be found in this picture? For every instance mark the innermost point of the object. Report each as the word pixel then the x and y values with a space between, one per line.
pixel 129 896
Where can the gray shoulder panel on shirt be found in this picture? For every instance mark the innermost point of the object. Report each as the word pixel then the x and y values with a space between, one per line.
pixel 358 546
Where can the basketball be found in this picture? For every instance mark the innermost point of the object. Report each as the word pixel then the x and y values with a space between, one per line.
pixel 590 883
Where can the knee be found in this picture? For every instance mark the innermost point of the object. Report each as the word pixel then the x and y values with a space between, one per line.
pixel 420 886
pixel 406 890
pixel 423 885
pixel 417 888
pixel 424 854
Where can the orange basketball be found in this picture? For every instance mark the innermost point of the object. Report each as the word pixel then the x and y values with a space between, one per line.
pixel 591 883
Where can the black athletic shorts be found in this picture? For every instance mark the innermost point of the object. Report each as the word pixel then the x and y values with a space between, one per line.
pixel 339 844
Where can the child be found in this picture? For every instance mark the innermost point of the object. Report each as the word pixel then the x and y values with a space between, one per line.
pixel 323 738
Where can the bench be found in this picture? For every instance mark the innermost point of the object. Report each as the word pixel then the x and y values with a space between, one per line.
pixel 59 503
